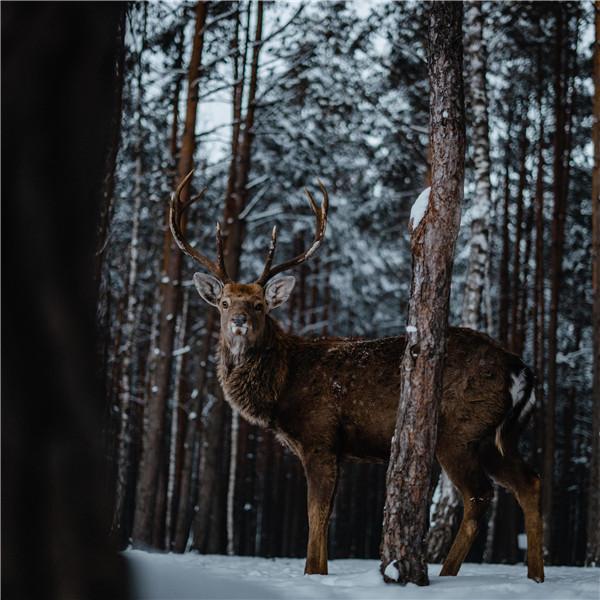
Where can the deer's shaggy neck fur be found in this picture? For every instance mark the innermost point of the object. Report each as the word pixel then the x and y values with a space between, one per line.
pixel 254 378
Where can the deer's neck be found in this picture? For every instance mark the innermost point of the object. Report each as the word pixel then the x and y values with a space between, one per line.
pixel 253 379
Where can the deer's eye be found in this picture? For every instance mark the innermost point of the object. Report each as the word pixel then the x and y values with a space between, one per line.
pixel 225 304
pixel 258 307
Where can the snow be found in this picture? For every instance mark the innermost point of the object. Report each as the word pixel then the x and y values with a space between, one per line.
pixel 418 208
pixel 411 329
pixel 391 571
pixel 186 576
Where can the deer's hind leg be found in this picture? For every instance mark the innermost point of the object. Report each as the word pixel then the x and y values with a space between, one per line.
pixel 321 477
pixel 475 488
pixel 511 472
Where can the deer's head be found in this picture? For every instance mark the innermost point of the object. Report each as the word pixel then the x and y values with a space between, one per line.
pixel 243 307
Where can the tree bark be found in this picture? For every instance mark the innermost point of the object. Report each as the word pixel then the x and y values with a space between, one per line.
pixel 515 332
pixel 447 506
pixel 130 312
pixel 593 516
pixel 433 240
pixel 558 219
pixel 539 310
pixel 192 430
pixel 504 282
pixel 153 445
pixel 475 66
pixel 55 506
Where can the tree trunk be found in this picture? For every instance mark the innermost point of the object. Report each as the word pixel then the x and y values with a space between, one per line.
pixel 130 312
pixel 515 333
pixel 447 506
pixel 233 228
pixel 153 445
pixel 475 66
pixel 175 435
pixel 194 421
pixel 433 240
pixel 55 506
pixel 445 519
pixel 233 460
pixel 538 316
pixel 108 185
pixel 504 282
pixel 558 219
pixel 593 516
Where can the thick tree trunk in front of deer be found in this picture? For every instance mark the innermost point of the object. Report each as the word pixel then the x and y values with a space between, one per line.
pixel 403 552
pixel 447 506
pixel 593 516
pixel 153 445
pixel 558 219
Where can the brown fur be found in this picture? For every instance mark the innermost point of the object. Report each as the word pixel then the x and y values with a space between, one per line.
pixel 335 399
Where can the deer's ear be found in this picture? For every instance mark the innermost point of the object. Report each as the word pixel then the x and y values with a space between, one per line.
pixel 209 287
pixel 278 291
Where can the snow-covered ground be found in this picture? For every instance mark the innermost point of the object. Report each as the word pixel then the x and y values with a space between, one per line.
pixel 178 577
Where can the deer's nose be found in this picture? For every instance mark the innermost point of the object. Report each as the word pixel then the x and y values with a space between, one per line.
pixel 239 320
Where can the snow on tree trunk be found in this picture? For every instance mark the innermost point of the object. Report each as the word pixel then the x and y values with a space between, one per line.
pixel 593 527
pixel 403 551
pixel 154 422
pixel 446 510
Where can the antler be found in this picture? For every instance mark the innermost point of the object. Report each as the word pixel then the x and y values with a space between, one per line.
pixel 176 213
pixel 321 224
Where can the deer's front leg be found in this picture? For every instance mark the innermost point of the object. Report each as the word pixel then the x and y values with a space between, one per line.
pixel 321 476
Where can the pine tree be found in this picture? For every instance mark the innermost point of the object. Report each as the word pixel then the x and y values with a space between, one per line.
pixel 433 240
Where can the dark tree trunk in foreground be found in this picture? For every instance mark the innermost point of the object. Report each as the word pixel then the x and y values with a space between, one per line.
pixel 405 521
pixel 153 446
pixel 54 506
pixel 593 527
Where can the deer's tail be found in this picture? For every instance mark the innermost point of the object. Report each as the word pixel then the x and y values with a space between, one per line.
pixel 521 388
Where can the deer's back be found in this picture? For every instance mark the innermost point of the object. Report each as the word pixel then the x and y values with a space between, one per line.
pixel 342 395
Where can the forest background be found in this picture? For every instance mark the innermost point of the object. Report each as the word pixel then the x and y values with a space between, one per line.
pixel 263 98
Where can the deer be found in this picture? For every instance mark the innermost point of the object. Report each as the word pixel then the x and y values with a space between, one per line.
pixel 331 400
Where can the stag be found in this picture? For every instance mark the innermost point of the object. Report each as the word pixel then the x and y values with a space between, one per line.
pixel 331 400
